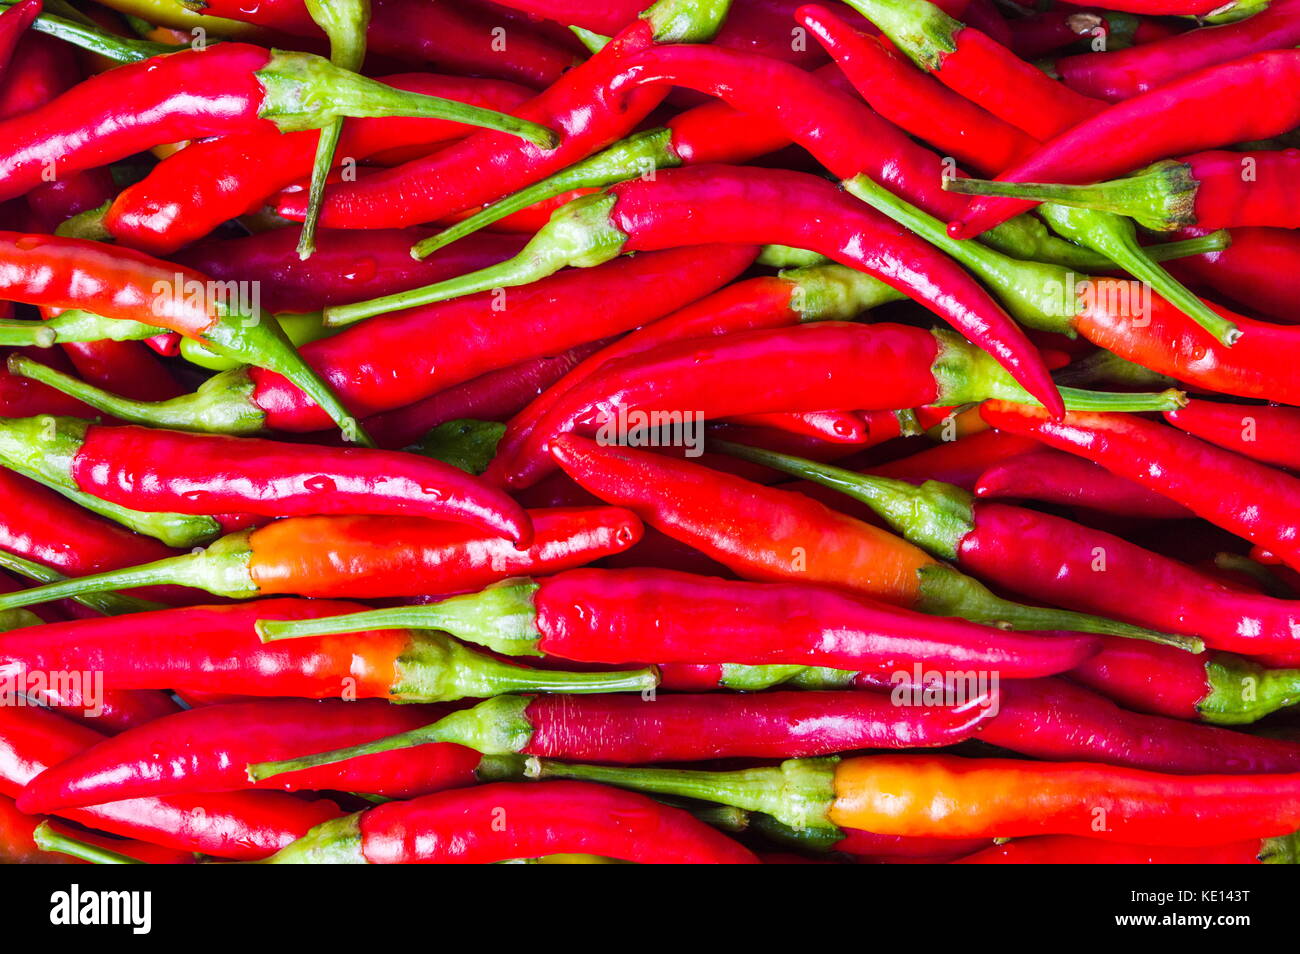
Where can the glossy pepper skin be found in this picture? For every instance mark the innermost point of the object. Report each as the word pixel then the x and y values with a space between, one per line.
pixel 206 749
pixel 456 828
pixel 1268 434
pixel 236 825
pixel 17 847
pixel 1258 270
pixel 1053 477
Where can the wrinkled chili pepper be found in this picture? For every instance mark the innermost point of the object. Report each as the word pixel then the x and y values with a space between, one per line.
pixel 1053 477
pixel 1268 434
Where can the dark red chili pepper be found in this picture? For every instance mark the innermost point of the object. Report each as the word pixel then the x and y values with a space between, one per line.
pixel 1243 496
pixel 361 556
pixel 154 470
pixel 1268 434
pixel 1054 720
pixel 457 827
pixel 1203 110
pixel 1048 31
pixel 1072 850
pixel 1259 270
pixel 237 825
pixel 14 22
pixel 914 101
pixel 1223 689
pixel 1122 74
pixel 608 17
pixel 1053 477
pixel 696 205
pixel 1052 559
pixel 182 200
pixel 206 749
pixel 579 103
pixel 961 461
pixel 841 427
pixel 614 616
pixel 403 358
pixel 763 533
pixel 23 397
pixel 672 728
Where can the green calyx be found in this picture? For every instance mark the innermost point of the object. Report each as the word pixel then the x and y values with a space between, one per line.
pixel 300 329
pixel 579 235
pixel 305 91
pixel 88 225
pixel 798 793
pixel 466 444
pixel 501 617
pixel 817 840
pixel 1161 197
pixel 783 256
pixel 833 292
pixel 49 838
pixel 436 668
pixel 110 604
pixel 221 569
pixel 753 678
pixel 70 326
pixel 1242 691
pixel 223 404
pixel 638 155
pixel 1282 850
pixel 44 445
pixel 334 842
pixel 496 726
pixel 686 21
pixel 921 30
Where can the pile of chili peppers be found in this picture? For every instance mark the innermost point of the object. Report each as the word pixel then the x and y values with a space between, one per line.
pixel 728 432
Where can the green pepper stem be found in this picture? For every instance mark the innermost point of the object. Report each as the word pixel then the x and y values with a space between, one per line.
pixel 221 569
pixel 502 617
pixel 783 256
pixel 1161 197
pixel 71 326
pixel 1103 367
pixel 1242 691
pixel 222 405
pixel 110 604
pixel 638 155
pixel 579 234
pixel 1280 850
pixel 1261 575
pixel 48 838
pixel 921 30
pixel 87 225
pixel 496 726
pixel 334 842
pixel 1116 238
pixel 120 49
pixel 831 292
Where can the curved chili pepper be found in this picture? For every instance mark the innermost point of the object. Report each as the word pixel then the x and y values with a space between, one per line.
pixel 1051 719
pixel 457 828
pixel 237 825
pixel 14 22
pixel 1259 270
pixel 1268 434
pixel 403 358
pixel 613 616
pixel 804 367
pixel 362 556
pixel 695 205
pixel 1122 74
pixel 1072 850
pixel 947 796
pixel 156 470
pixel 1053 477
pixel 206 749
pixel 1172 118
pixel 180 200
pixel 1243 496
pixel 1223 688
pixel 18 846
pixel 674 728
pixel 767 534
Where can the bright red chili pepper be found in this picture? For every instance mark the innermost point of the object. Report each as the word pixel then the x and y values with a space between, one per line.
pixel 1064 479
pixel 17 845
pixel 1072 850
pixel 206 750
pixel 109 711
pixel 1268 434
pixel 155 470
pixel 237 825
pixel 1259 270
pixel 457 828
pixel 960 461
pixel 361 556
pixel 841 427
pixel 1243 496
pixel 23 397
pixel 1203 110
pixel 615 616
pixel 1122 74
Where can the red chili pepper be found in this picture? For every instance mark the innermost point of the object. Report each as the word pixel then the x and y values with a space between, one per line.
pixel 1242 496
pixel 1048 31
pixel 841 427
pixel 17 845
pixel 1053 720
pixel 608 17
pixel 913 101
pixel 1173 121
pixel 1259 270
pixel 457 828
pixel 14 22
pixel 614 616
pixel 1053 477
pixel 403 358
pixel 951 797
pixel 960 462
pixel 181 201
pixel 109 711
pixel 361 556
pixel 1268 434
pixel 1122 74
pixel 580 103
pixel 1071 850
pixel 206 749
pixel 154 470
pixel 23 397
pixel 237 825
